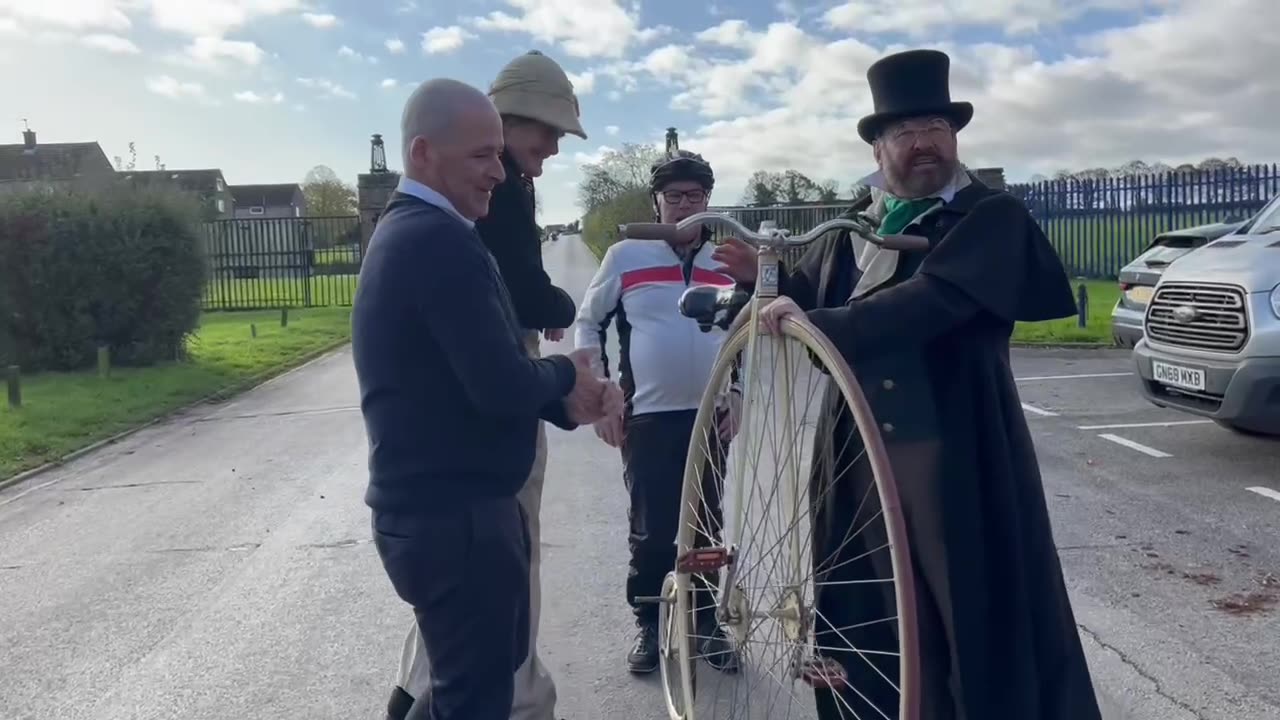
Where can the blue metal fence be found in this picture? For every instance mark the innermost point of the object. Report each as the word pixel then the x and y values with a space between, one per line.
pixel 1099 225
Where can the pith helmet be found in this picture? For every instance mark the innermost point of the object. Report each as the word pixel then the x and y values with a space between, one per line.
pixel 535 86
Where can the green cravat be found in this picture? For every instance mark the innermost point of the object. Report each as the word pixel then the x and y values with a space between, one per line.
pixel 899 213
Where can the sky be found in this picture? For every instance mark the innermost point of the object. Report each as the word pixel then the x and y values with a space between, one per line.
pixel 267 89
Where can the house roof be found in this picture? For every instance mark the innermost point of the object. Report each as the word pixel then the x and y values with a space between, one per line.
pixel 50 161
pixel 268 195
pixel 205 179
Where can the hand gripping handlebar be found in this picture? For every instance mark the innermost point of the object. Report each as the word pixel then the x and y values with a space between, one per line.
pixel 770 236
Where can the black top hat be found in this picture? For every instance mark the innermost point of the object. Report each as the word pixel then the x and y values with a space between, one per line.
pixel 911 84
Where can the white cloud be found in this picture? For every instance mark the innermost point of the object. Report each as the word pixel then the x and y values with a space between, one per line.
pixel 327 88
pixel 8 25
pixel 213 18
pixel 69 14
pixel 348 52
pixel 597 29
pixel 389 83
pixel 210 50
pixel 170 87
pixel 444 39
pixel 111 43
pixel 395 46
pixel 320 20
pixel 582 84
pixel 584 158
pixel 249 96
pixel 923 18
pixel 612 129
pixel 1176 87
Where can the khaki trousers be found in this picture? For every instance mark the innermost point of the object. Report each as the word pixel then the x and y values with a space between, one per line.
pixel 535 692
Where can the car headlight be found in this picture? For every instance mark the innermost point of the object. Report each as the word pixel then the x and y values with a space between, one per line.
pixel 1139 294
pixel 1275 300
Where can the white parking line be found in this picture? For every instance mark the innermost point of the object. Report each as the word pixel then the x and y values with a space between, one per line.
pixel 1143 425
pixel 1038 411
pixel 1072 377
pixel 1265 492
pixel 1126 442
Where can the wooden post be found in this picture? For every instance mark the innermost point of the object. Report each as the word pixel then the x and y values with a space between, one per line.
pixel 253 330
pixel 13 377
pixel 104 361
pixel 284 317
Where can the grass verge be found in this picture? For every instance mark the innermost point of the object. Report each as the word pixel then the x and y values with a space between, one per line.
pixel 1103 295
pixel 63 412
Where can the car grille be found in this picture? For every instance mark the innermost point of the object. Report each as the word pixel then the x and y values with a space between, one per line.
pixel 1200 317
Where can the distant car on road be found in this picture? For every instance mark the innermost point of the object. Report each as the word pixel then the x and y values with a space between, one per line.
pixel 1211 344
pixel 1138 279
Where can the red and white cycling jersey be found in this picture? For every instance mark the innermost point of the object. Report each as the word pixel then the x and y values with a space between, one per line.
pixel 666 359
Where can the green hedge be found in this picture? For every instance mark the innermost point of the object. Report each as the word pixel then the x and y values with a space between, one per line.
pixel 123 268
pixel 600 226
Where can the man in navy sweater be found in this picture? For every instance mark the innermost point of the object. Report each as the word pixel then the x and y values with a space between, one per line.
pixel 451 405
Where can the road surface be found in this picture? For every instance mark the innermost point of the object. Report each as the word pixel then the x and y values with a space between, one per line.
pixel 219 565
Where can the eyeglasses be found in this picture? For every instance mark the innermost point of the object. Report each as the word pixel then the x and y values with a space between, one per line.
pixel 673 197
pixel 932 131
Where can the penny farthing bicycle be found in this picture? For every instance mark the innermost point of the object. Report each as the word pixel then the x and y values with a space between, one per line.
pixel 792 593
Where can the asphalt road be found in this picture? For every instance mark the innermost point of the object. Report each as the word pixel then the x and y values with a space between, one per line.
pixel 219 565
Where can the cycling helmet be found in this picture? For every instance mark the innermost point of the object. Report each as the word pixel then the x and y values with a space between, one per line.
pixel 680 165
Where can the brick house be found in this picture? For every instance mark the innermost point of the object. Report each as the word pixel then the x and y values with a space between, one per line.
pixel 30 165
pixel 208 184
pixel 281 200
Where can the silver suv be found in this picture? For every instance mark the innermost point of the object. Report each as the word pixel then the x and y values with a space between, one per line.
pixel 1212 330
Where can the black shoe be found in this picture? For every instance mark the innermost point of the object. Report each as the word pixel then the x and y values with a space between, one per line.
pixel 399 704
pixel 715 647
pixel 643 657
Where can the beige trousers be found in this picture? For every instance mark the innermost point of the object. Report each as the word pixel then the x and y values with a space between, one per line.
pixel 535 692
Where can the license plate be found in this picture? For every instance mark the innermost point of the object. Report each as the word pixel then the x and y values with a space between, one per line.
pixel 1178 376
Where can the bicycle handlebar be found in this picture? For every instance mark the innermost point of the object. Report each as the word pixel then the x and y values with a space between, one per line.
pixel 772 236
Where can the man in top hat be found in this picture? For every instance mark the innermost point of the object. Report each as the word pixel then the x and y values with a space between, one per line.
pixel 927 334
pixel 538 107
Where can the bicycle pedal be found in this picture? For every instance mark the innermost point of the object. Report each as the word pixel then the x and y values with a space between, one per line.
pixel 651 600
pixel 704 560
pixel 824 673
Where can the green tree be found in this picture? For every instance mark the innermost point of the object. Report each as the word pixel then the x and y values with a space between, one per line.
pixel 327 195
pixel 618 172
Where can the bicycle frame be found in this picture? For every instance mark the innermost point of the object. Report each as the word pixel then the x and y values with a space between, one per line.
pixel 769 239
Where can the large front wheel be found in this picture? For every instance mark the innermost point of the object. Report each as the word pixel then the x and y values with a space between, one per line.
pixel 792 595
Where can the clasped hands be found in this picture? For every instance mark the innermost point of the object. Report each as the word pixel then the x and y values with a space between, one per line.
pixel 592 398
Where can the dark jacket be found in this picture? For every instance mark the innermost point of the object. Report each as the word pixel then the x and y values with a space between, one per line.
pixel 510 231
pixel 451 400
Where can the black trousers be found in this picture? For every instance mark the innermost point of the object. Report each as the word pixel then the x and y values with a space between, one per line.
pixel 848 545
pixel 654 451
pixel 465 570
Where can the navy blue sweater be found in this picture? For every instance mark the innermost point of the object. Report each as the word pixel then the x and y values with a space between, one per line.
pixel 451 400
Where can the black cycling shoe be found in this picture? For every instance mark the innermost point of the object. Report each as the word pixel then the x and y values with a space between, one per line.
pixel 643 657
pixel 715 647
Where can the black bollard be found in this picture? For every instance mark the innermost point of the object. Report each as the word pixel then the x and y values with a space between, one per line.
pixel 1082 305
pixel 253 330
pixel 284 317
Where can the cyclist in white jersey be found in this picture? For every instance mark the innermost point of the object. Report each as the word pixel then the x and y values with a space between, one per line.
pixel 664 366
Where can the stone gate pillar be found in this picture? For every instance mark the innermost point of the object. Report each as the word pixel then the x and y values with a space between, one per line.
pixel 373 191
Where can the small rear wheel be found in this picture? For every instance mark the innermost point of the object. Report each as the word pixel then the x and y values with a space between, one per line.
pixel 792 591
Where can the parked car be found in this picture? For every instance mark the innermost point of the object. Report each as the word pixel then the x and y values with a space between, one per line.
pixel 1138 279
pixel 1211 344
